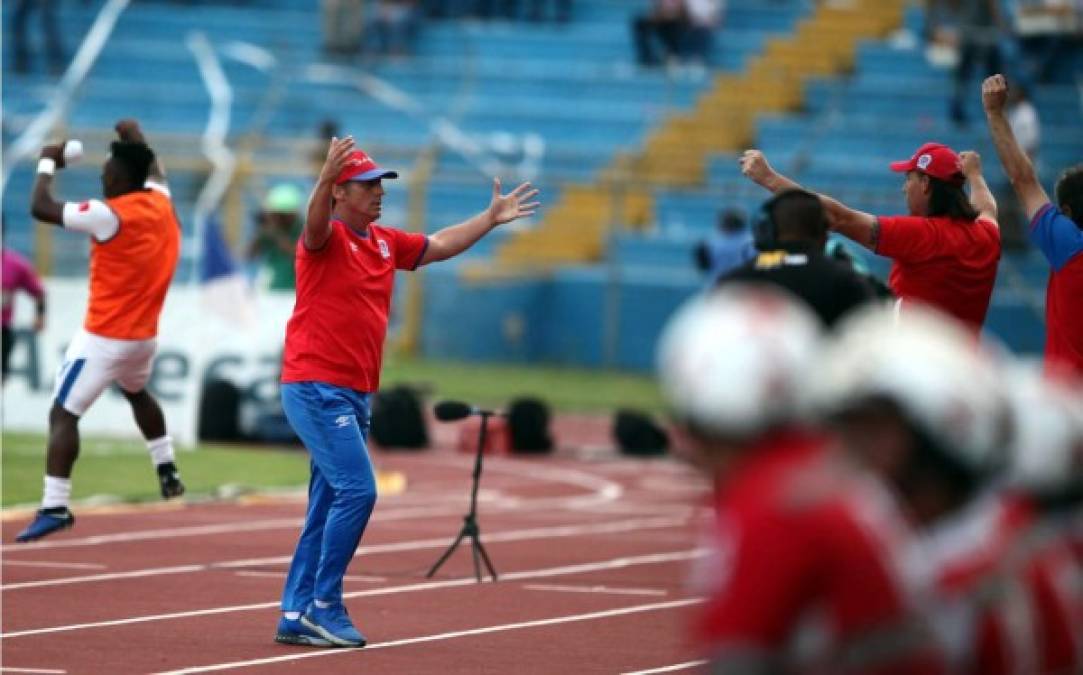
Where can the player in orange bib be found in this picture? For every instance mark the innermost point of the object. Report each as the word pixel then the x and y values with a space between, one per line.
pixel 135 243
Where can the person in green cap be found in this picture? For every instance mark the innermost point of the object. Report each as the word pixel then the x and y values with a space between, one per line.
pixel 279 226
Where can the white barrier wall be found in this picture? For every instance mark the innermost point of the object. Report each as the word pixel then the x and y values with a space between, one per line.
pixel 229 335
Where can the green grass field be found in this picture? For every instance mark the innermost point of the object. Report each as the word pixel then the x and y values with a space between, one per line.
pixel 122 469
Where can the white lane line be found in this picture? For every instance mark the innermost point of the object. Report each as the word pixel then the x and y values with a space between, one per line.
pixel 42 671
pixel 614 563
pixel 601 491
pixel 57 565
pixel 553 621
pixel 595 589
pixel 416 545
pixel 687 665
pixel 135 574
pixel 282 575
pixel 221 528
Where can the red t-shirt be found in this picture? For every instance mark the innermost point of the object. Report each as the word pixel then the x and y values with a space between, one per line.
pixel 804 548
pixel 949 264
pixel 336 334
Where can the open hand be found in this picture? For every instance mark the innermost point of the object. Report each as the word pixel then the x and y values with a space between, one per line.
pixel 515 204
pixel 971 162
pixel 754 165
pixel 338 158
pixel 994 93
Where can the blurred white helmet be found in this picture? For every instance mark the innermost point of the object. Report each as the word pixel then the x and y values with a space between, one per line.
pixel 1047 431
pixel 731 362
pixel 943 381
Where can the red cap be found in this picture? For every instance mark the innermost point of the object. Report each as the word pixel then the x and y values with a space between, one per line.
pixel 936 160
pixel 363 168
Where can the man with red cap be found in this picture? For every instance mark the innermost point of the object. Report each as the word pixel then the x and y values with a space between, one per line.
pixel 945 252
pixel 346 265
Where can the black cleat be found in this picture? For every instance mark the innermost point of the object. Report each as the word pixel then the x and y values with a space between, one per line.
pixel 169 480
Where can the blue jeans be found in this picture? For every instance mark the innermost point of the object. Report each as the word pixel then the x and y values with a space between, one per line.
pixel 333 424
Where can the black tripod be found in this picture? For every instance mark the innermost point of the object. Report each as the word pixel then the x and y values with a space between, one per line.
pixel 470 520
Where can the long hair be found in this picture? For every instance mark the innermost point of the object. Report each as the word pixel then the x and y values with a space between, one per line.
pixel 950 200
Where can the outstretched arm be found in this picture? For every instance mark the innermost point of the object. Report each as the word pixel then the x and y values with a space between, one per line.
pixel 994 96
pixel 980 194
pixel 128 130
pixel 856 225
pixel 453 240
pixel 318 221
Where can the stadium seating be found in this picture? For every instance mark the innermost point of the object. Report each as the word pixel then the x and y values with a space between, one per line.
pixel 821 89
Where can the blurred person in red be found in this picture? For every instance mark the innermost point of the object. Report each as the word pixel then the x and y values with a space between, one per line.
pixel 926 411
pixel 1042 499
pixel 18 275
pixel 805 574
pixel 1056 229
pixel 945 252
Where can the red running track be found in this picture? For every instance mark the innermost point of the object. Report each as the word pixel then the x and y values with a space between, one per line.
pixel 594 561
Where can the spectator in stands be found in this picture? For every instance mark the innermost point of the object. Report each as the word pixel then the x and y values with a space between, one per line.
pixel 664 26
pixel 730 246
pixel 53 49
pixel 395 27
pixel 981 27
pixel 790 232
pixel 346 265
pixel 343 26
pixel 803 542
pixel 279 223
pixel 325 131
pixel 18 275
pixel 945 251
pixel 704 19
pixel 1056 229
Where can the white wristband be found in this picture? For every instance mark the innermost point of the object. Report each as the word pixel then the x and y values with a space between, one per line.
pixel 47 165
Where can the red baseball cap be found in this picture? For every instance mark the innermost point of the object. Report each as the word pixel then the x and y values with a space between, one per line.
pixel 936 160
pixel 363 168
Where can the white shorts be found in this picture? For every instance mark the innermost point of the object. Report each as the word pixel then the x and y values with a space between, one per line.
pixel 92 363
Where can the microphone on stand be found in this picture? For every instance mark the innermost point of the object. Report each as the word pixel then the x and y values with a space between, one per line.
pixel 450 411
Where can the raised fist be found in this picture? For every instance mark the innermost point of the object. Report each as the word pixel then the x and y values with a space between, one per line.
pixel 754 165
pixel 54 152
pixel 994 93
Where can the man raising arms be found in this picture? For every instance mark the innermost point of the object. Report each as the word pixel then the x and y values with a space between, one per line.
pixel 135 243
pixel 1055 230
pixel 346 265
pixel 945 251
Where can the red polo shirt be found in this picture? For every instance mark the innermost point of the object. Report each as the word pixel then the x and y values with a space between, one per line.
pixel 336 334
pixel 949 264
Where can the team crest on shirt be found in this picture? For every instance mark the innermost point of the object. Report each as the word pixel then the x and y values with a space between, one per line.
pixel 384 250
pixel 353 247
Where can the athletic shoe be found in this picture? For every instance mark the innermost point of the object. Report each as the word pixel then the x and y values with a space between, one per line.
pixel 169 480
pixel 46 522
pixel 293 632
pixel 334 625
